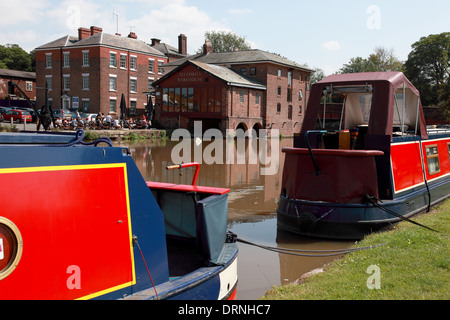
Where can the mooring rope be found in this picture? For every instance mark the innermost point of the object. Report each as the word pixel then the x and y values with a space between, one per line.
pixel 373 199
pixel 303 252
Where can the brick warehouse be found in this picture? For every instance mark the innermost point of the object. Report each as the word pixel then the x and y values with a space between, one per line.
pixel 270 93
pixel 25 80
pixel 92 71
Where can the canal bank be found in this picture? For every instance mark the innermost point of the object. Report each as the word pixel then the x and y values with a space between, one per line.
pixel 118 135
pixel 412 263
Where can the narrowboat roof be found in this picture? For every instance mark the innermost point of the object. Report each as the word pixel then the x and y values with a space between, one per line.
pixel 383 86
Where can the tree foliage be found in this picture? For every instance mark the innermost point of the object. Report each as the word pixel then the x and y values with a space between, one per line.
pixel 13 57
pixel 381 60
pixel 427 67
pixel 223 41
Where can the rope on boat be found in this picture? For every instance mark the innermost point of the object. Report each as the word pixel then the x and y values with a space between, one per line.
pixel 135 240
pixel 373 199
pixel 303 252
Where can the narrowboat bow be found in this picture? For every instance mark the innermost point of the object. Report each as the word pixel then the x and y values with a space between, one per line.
pixel 363 160
pixel 78 221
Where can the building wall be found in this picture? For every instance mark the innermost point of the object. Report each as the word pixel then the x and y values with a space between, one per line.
pixel 268 74
pixel 231 112
pixel 22 83
pixel 99 71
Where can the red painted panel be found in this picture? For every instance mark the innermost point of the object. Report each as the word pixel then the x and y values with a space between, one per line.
pixel 406 165
pixel 75 226
pixel 444 157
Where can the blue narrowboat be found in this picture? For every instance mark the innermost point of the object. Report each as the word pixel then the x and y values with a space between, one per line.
pixel 78 221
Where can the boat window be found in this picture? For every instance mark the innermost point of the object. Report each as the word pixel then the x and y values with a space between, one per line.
pixel 401 112
pixel 345 107
pixel 433 159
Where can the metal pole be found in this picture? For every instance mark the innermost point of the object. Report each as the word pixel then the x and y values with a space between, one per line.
pixel 417 115
pixel 404 107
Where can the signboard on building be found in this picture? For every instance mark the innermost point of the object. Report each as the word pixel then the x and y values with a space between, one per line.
pixel 75 102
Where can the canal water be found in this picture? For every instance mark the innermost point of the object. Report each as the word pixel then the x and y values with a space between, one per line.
pixel 252 203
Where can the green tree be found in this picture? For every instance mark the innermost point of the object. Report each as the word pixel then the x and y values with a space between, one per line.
pixel 427 66
pixel 13 57
pixel 380 60
pixel 223 41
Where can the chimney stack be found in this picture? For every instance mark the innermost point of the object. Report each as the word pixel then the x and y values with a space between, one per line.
pixel 132 35
pixel 83 33
pixel 207 47
pixel 95 30
pixel 155 41
pixel 182 44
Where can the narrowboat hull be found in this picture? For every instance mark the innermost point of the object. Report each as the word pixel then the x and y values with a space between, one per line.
pixel 352 221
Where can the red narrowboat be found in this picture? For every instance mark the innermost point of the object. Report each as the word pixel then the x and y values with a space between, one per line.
pixel 363 162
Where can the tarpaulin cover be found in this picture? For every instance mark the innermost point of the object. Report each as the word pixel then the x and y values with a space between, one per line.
pixel 383 101
pixel 211 216
pixel 346 176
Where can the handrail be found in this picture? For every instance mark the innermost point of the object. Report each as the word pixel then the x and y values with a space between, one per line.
pixel 186 165
pixel 310 150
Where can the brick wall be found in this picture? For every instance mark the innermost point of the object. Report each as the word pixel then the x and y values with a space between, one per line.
pixel 99 70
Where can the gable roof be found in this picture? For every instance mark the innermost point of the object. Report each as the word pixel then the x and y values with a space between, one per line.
pixel 227 75
pixel 18 74
pixel 241 57
pixel 168 49
pixel 103 39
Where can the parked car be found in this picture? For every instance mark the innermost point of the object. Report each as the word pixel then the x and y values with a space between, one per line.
pixel 17 116
pixel 60 113
pixel 88 117
pixel 31 111
pixel 2 111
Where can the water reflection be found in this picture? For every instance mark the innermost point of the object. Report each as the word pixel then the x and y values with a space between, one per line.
pixel 252 207
pixel 252 193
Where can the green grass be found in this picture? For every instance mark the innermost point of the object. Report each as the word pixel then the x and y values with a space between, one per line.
pixel 413 264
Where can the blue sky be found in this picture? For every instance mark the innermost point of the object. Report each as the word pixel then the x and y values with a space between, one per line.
pixel 323 34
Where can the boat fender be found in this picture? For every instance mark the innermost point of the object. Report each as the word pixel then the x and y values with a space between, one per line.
pixel 306 221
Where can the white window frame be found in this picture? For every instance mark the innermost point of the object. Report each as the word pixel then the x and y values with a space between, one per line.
pixel 113 99
pixel 113 76
pixel 111 53
pixel 133 63
pixel 151 63
pixel 48 81
pixel 85 58
pixel 83 100
pixel 66 82
pixel 160 66
pixel 29 86
pixel 66 59
pixel 133 111
pixel 133 79
pixel 48 61
pixel 85 81
pixel 123 58
pixel 150 80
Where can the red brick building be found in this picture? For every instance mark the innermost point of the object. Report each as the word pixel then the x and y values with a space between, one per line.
pixel 219 97
pixel 92 71
pixel 271 93
pixel 25 80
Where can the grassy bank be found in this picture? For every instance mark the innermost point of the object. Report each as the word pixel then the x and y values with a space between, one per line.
pixel 413 264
